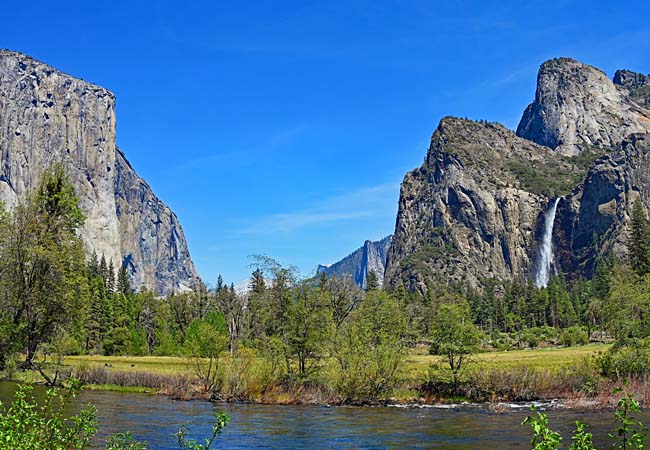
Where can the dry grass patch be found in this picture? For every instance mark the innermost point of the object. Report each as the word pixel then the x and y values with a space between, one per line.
pixel 154 364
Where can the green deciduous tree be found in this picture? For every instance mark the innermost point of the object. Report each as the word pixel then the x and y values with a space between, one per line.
pixel 43 286
pixel 370 348
pixel 627 305
pixel 206 339
pixel 310 326
pixel 454 336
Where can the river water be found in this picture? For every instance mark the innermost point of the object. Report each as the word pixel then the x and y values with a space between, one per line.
pixel 156 419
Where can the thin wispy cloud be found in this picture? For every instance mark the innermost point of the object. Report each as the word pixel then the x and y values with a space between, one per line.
pixel 363 203
pixel 250 155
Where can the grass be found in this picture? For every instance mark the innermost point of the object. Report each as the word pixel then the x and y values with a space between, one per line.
pixel 154 364
pixel 416 367
pixel 117 388
pixel 531 373
pixel 553 358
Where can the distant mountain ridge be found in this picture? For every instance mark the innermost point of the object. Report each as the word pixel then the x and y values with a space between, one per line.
pixel 358 264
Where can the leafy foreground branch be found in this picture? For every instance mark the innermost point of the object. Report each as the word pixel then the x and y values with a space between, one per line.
pixel 28 425
pixel 630 434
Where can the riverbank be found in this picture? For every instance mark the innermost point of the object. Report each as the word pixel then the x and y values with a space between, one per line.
pixel 565 373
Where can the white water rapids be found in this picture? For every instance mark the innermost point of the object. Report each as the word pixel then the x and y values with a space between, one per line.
pixel 546 248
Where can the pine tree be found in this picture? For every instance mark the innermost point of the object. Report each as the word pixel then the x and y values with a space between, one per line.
pixel 99 320
pixel 372 281
pixel 322 281
pixel 638 243
pixel 110 278
pixel 600 281
pixel 219 283
pixel 93 265
pixel 257 284
pixel 103 268
pixel 123 283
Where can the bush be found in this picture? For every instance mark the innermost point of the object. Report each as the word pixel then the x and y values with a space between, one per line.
pixel 536 335
pixel 519 384
pixel 247 375
pixel 632 359
pixel 573 336
pixel 630 434
pixel 26 425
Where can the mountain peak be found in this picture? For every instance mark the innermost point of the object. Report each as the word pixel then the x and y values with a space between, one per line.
pixel 577 108
pixel 568 67
pixel 357 265
pixel 631 80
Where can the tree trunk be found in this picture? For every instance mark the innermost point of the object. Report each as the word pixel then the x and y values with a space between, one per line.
pixel 29 357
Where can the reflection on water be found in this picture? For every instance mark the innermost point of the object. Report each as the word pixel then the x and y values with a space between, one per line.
pixel 156 419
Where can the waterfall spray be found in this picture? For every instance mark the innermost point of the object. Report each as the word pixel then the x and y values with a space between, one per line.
pixel 546 248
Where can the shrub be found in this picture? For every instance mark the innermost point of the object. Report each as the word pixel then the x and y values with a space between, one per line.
pixel 247 376
pixel 26 425
pixel 536 335
pixel 626 360
pixel 629 434
pixel 573 336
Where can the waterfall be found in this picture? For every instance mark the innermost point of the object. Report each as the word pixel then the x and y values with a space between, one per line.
pixel 546 248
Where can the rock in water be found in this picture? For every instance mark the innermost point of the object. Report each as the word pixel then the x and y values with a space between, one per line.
pixel 358 264
pixel 47 116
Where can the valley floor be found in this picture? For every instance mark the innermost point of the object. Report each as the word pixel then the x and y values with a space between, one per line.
pixel 517 375
pixel 416 365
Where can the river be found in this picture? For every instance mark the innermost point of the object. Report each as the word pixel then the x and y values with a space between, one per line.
pixel 156 419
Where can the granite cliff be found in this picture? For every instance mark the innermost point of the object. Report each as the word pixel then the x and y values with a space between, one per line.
pixel 47 116
pixel 358 264
pixel 577 109
pixel 478 207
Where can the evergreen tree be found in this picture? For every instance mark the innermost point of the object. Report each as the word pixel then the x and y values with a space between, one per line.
pixel 601 279
pixel 322 281
pixel 103 268
pixel 98 322
pixel 638 243
pixel 110 278
pixel 372 281
pixel 93 265
pixel 257 284
pixel 123 284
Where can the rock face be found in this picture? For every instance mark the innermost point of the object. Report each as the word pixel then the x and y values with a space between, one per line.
pixel 631 80
pixel 594 220
pixel 476 208
pixel 46 117
pixel 577 109
pixel 473 210
pixel 637 85
pixel 358 264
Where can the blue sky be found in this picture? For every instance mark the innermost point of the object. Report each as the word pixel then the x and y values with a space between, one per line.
pixel 284 128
